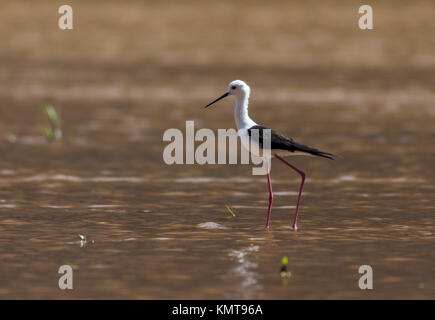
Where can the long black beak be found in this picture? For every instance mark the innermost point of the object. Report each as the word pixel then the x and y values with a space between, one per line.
pixel 221 97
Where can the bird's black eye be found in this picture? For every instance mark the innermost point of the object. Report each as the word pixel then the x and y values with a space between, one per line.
pixel 234 87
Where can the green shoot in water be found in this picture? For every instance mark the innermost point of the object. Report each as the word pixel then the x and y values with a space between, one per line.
pixel 285 274
pixel 284 261
pixel 53 132
pixel 230 211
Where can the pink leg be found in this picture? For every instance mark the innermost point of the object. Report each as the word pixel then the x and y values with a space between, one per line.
pixel 295 221
pixel 270 200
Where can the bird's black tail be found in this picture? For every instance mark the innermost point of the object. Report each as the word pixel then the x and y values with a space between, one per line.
pixel 303 148
pixel 323 154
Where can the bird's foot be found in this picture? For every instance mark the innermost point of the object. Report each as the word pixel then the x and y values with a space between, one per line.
pixel 295 227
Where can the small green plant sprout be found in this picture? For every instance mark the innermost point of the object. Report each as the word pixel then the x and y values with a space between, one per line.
pixel 284 272
pixel 284 261
pixel 82 240
pixel 53 132
pixel 230 211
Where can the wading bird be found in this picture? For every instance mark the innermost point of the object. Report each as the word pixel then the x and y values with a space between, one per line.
pixel 280 145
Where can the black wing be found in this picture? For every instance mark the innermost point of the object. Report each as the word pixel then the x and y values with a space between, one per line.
pixel 281 142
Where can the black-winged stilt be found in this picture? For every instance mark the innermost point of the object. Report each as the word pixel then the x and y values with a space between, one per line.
pixel 280 145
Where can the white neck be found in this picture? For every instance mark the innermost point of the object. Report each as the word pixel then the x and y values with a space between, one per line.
pixel 241 110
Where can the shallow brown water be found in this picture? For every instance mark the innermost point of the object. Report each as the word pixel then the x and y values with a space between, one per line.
pixel 157 231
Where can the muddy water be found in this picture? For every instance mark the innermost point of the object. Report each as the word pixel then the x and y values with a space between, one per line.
pixel 158 231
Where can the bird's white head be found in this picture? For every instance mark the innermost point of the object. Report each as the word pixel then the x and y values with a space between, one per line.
pixel 236 87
